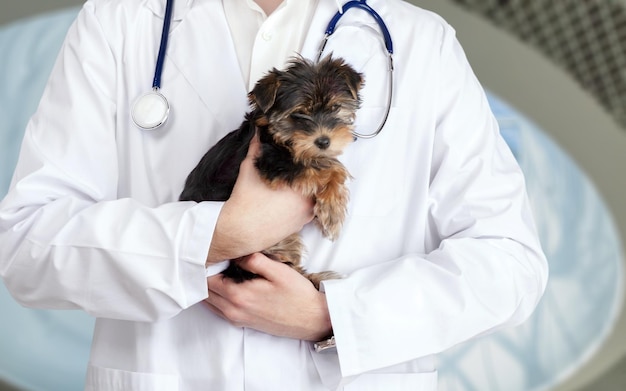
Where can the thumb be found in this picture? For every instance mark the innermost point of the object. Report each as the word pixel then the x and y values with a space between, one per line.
pixel 254 146
pixel 260 264
pixel 247 168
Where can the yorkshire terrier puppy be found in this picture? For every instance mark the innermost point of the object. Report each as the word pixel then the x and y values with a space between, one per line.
pixel 304 117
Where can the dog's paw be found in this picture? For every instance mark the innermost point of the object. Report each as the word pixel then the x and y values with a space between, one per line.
pixel 330 217
pixel 330 226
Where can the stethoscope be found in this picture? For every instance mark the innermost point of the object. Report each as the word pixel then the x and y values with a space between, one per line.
pixel 151 110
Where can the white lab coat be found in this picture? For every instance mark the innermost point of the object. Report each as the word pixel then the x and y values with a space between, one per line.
pixel 438 247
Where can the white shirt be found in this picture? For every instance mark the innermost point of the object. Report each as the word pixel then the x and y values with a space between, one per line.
pixel 263 42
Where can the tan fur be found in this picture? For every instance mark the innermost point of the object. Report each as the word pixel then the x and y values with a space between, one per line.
pixel 325 114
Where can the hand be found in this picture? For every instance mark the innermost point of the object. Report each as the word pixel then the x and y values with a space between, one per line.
pixel 282 302
pixel 256 216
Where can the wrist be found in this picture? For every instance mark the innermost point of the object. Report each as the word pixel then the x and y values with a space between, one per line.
pixel 226 242
pixel 324 329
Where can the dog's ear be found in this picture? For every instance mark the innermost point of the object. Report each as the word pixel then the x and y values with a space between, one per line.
pixel 354 80
pixel 263 95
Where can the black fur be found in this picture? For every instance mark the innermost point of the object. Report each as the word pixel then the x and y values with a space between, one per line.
pixel 215 175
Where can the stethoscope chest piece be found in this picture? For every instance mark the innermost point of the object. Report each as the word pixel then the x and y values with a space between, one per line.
pixel 150 110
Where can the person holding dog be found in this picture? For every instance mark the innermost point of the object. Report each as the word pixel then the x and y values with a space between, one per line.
pixel 438 245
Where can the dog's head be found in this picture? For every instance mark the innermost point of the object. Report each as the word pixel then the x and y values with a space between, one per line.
pixel 309 107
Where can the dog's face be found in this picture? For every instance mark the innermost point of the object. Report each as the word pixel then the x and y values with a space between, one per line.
pixel 309 107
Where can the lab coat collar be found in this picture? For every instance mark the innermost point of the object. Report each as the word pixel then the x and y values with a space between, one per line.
pixel 340 4
pixel 182 6
pixel 212 12
pixel 324 12
pixel 185 40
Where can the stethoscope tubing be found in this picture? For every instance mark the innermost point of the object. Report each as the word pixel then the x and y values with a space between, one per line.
pixel 158 71
pixel 330 29
pixel 152 109
pixel 147 101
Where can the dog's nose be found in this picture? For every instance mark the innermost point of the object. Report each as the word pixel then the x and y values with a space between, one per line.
pixel 322 142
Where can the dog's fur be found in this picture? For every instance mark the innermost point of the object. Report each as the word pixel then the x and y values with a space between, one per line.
pixel 304 118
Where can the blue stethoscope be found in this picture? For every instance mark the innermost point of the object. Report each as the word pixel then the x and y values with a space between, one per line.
pixel 151 110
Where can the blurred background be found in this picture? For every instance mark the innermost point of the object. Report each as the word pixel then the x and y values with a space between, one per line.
pixel 555 72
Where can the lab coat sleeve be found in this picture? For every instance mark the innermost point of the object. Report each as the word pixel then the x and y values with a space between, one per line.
pixel 483 268
pixel 66 240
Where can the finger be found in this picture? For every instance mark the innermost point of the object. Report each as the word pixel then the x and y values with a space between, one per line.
pixel 247 168
pixel 219 312
pixel 254 146
pixel 216 301
pixel 214 309
pixel 218 285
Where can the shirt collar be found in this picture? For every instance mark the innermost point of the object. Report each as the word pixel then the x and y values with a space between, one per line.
pixel 158 6
pixel 339 3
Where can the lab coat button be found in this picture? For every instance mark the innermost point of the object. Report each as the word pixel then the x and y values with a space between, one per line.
pixel 267 35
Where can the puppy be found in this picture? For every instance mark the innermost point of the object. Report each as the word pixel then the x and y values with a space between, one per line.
pixel 304 116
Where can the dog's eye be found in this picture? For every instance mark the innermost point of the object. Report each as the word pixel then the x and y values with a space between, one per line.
pixel 301 116
pixel 335 107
